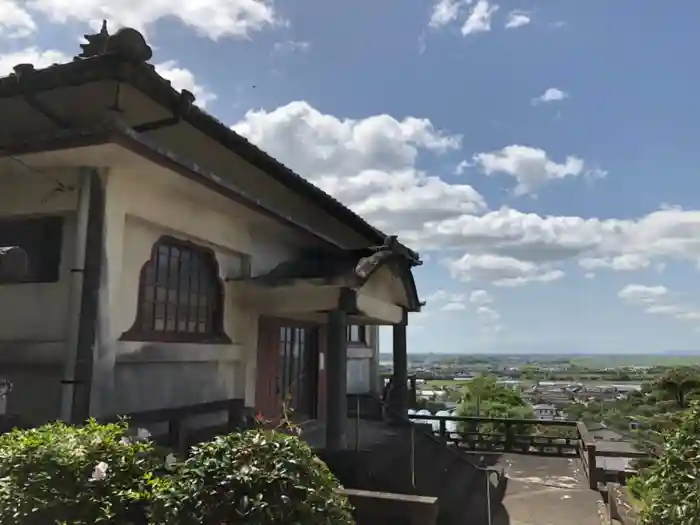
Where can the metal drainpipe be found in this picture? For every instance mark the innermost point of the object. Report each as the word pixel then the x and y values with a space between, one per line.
pixel 76 292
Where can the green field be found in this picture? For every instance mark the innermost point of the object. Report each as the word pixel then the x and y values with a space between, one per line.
pixel 441 383
pixel 615 361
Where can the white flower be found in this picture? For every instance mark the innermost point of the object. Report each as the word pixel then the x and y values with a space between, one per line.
pixel 142 434
pixel 125 441
pixel 170 461
pixel 99 473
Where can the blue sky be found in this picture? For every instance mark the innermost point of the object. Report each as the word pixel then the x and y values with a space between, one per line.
pixel 541 155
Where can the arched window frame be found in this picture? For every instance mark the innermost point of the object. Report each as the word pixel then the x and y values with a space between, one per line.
pixel 145 328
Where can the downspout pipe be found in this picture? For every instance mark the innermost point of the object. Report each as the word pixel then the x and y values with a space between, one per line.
pixel 90 248
pixel 77 271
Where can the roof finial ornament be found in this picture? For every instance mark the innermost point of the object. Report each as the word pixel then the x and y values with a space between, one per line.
pixel 127 43
pixel 96 43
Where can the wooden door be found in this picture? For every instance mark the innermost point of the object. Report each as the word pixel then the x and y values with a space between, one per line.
pixel 287 369
pixel 266 388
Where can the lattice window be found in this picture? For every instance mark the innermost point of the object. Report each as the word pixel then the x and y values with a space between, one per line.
pixel 180 295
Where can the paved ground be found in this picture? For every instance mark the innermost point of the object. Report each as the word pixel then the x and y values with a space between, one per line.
pixel 547 491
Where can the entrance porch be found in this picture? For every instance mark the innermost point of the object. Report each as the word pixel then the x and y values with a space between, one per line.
pixel 308 308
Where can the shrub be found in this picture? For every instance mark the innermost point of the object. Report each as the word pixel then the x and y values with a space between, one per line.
pixel 257 477
pixel 668 490
pixel 78 475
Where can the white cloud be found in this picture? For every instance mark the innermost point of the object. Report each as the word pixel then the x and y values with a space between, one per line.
pixel 453 307
pixel 488 314
pixel 627 262
pixel 444 12
pixel 489 319
pixel 212 18
pixel 501 270
pixel 445 296
pixel 182 78
pixel 517 19
pixel 31 55
pixel 639 293
pixel 480 297
pixel 551 95
pixel 479 19
pixel 659 300
pixel 478 304
pixel 370 165
pixel 15 21
pixel 290 46
pixel 530 167
pixel 462 167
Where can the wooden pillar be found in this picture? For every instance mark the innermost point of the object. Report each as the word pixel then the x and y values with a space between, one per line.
pixel 336 380
pixel 399 396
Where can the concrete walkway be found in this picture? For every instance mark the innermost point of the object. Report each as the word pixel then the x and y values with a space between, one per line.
pixel 547 491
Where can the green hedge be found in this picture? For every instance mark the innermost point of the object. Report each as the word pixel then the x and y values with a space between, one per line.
pixel 668 490
pixel 61 474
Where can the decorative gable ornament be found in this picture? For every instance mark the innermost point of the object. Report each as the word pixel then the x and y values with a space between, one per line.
pixel 127 43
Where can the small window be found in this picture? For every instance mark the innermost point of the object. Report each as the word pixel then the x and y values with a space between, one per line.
pixel 357 334
pixel 30 250
pixel 180 296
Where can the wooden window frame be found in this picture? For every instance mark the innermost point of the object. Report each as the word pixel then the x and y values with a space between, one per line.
pixel 144 329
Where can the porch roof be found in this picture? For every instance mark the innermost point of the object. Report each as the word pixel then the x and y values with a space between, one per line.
pixel 373 284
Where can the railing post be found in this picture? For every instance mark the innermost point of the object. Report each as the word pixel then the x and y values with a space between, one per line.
pixel 510 436
pixel 235 415
pixel 177 437
pixel 443 429
pixel 592 468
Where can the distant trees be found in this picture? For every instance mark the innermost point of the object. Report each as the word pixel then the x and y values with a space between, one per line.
pixel 528 372
pixel 679 382
pixel 484 397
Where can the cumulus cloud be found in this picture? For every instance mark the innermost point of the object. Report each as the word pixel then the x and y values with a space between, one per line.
pixel 182 78
pixel 368 164
pixel 445 12
pixel 627 262
pixel 453 307
pixel 15 20
pixel 289 47
pixel 371 165
pixel 639 293
pixel 530 167
pixel 31 55
pixel 517 19
pixel 659 300
pixel 480 297
pixel 479 20
pixel 478 304
pixel 501 270
pixel 550 95
pixel 214 19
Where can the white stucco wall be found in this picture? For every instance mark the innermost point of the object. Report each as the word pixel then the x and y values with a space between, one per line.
pixel 33 316
pixel 142 203
pixel 132 376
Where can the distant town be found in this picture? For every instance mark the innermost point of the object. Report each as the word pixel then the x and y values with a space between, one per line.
pixel 586 387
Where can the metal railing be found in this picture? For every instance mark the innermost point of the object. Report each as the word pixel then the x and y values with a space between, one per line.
pixel 528 436
pixel 524 436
